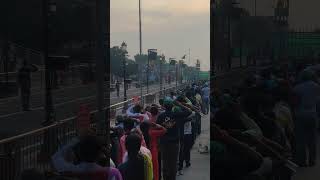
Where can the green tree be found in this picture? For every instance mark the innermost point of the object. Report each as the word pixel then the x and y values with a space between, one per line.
pixel 117 56
pixel 141 59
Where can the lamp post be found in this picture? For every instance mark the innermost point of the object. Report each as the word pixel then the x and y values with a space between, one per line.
pixel 140 31
pixel 102 42
pixel 176 76
pixel 162 58
pixel 148 69
pixel 174 63
pixel 255 7
pixel 198 69
pixel 47 7
pixel 124 49
pixel 49 137
pixel 140 45
pixel 152 55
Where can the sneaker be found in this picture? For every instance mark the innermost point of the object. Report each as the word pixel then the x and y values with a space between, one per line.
pixel 180 172
pixel 312 164
pixel 188 165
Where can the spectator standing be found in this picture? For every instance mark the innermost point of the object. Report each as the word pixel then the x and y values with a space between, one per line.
pixel 152 132
pixel 170 141
pixel 138 165
pixel 205 98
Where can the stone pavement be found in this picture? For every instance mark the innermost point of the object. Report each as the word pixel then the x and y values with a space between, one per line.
pixel 200 163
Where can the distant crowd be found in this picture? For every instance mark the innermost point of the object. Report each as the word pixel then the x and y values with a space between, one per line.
pixel 151 142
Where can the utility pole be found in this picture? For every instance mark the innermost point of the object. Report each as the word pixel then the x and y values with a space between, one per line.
pixel 189 56
pixel 189 65
pixel 148 69
pixel 176 76
pixel 101 50
pixel 255 7
pixel 49 114
pixel 160 68
pixel 49 143
pixel 140 31
pixel 140 44
pixel 124 50
pixel 229 42
pixel 152 54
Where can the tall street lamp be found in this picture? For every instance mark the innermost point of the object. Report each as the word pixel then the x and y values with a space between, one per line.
pixel 173 63
pixel 152 55
pixel 124 50
pixel 162 59
pixel 102 49
pixel 140 31
pixel 47 7
pixel 198 69
pixel 49 138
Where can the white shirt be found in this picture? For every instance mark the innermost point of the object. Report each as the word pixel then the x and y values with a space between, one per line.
pixel 131 114
pixel 187 128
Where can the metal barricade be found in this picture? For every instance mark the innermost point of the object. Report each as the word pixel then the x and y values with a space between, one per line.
pixel 34 149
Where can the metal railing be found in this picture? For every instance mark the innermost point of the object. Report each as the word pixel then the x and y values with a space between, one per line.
pixel 75 75
pixel 34 149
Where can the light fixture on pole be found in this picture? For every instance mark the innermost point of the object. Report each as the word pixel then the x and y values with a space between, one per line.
pixel 152 55
pixel 173 63
pixel 47 7
pixel 198 69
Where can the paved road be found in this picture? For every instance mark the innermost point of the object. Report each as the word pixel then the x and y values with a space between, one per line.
pixel 14 121
pixel 200 163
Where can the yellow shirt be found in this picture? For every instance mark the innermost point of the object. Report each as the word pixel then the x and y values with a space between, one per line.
pixel 148 168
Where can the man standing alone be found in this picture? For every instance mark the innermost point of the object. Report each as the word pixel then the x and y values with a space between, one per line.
pixel 24 81
pixel 118 88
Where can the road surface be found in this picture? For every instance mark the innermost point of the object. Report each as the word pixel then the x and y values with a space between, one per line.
pixel 200 163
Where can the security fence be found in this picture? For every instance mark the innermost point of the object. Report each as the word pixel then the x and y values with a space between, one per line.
pixel 34 149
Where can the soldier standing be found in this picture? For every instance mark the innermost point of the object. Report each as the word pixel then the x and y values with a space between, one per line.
pixel 24 81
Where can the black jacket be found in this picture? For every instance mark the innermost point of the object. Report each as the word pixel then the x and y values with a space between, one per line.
pixel 172 121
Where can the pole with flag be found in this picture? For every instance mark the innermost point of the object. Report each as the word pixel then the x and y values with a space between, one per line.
pixel 180 67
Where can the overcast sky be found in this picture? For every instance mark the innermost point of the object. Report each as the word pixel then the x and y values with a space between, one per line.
pixel 171 26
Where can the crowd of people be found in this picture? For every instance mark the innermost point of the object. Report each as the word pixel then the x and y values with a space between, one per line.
pixel 265 128
pixel 151 142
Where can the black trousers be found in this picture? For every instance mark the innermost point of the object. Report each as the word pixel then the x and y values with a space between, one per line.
pixel 184 154
pixel 169 154
pixel 25 99
pixel 118 93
